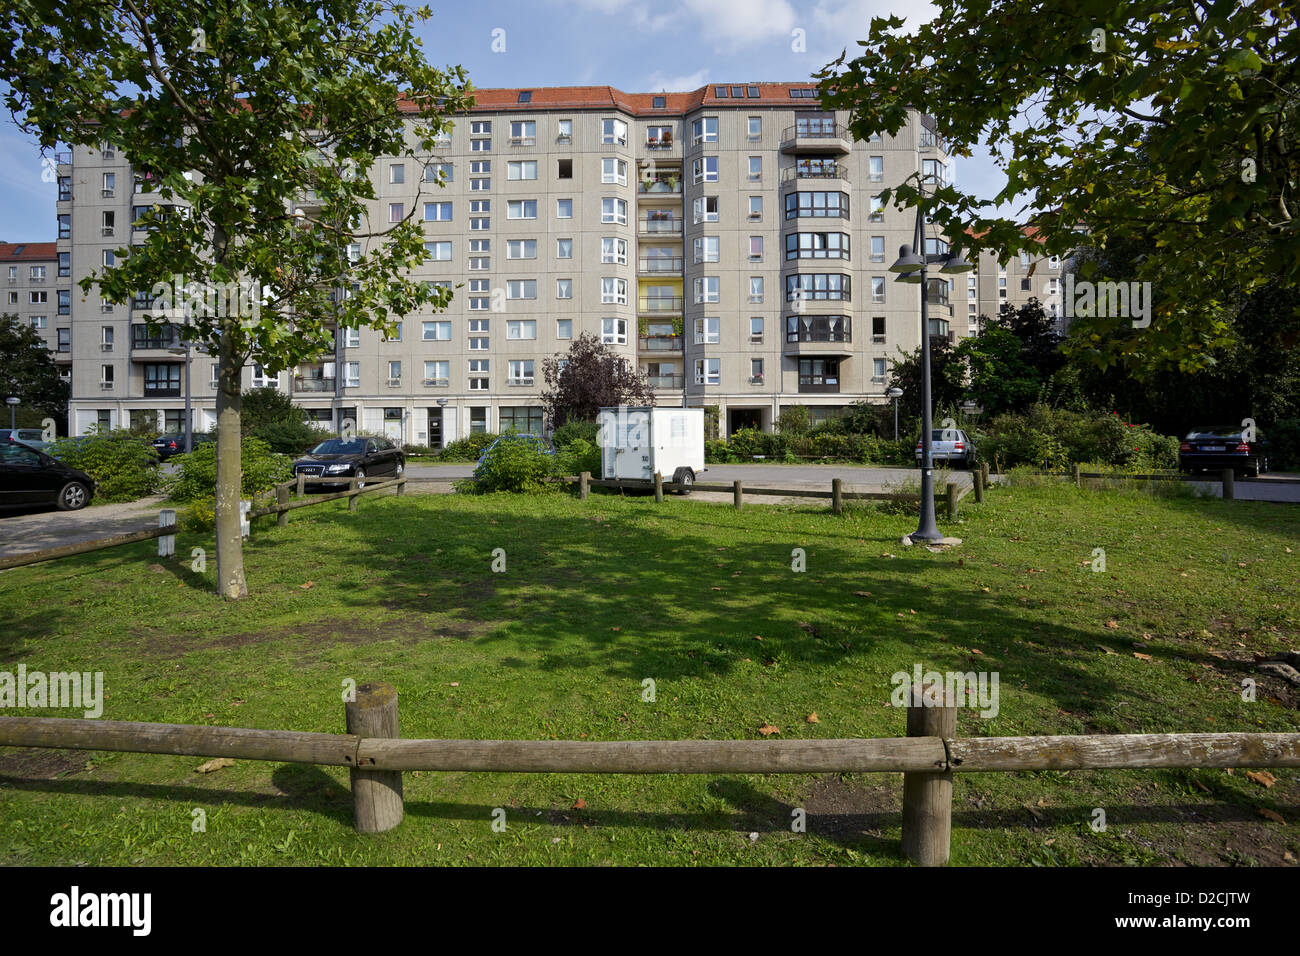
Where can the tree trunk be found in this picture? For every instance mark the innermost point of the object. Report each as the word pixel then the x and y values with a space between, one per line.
pixel 230 544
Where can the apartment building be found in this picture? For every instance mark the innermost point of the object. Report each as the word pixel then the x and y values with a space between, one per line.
pixel 728 241
pixel 37 289
pixel 1014 281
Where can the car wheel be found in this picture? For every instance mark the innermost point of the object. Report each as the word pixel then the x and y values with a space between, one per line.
pixel 73 496
pixel 684 479
pixel 399 470
pixel 360 477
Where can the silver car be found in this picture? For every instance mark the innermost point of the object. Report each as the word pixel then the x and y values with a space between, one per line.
pixel 952 446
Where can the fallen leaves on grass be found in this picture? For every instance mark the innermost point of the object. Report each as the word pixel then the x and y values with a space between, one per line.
pixel 1261 777
pixel 307 587
pixel 212 765
pixel 581 804
pixel 1142 657
pixel 1112 624
pixel 767 730
pixel 1273 815
pixel 813 719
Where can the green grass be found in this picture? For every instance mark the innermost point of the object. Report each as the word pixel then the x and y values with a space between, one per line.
pixel 600 595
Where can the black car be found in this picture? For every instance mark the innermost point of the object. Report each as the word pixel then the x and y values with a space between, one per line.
pixel 167 445
pixel 1223 446
pixel 29 477
pixel 361 458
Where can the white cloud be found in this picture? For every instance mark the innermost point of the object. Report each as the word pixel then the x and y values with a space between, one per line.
pixel 658 82
pixel 732 24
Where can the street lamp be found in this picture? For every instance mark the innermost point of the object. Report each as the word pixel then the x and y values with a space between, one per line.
pixel 186 346
pixel 911 266
pixel 12 401
pixel 895 393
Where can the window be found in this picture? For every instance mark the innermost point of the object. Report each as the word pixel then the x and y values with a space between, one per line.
pixel 564 169
pixel 1053 286
pixel 820 374
pixel 756 328
pixel 479 263
pixel 1025 259
pixel 564 328
pixel 526 169
pixel 36 273
pixel 397 173
pixel 479 301
pixel 659 103
pixel 1002 287
pixel 817 124
pixel 878 330
pixel 110 185
pixel 755 168
pixel 755 288
pixel 706 209
pixel 396 211
pixel 877 248
pixel 438 251
pixel 439 173
pixel 877 213
pixel 478 419
pixel 564 131
pixel 478 382
pixel 934 172
pixel 1054 262
pixel 65 188
pixel 876 169
pixel 523 421
pixel 37 321
pixel 478 342
pixel 720 92
pixel 755 128
pixel 38 297
pixel 877 289
pixel 396 336
pixel 108 224
pixel 755 208
pixel 613 291
pixel 817 205
pixel 756 371
pixel 708 371
pixel 439 331
pixel 480 128
pixel 613 171
pixel 564 248
pixel 437 212
pixel 817 245
pixel 351 338
pixel 564 209
pixel 755 248
pixel 613 331
pixel 64 339
pixel 65 264
pixel 818 286
pixel 162 379
pixel 519 372
pixel 108 258
pixel 613 131
pixel 521 289
pixel 65 225
pixel 613 250
pixel 106 376
pixel 818 328
pixel 659 137
pixel 521 249
pixel 479 172
pixel 706 249
pixel 705 130
pixel 354 252
pixel 521 329
pixel 521 209
pixel 707 289
pixel 1026 285
pixel 437 372
pixel 878 370
pixel 708 331
pixel 706 169
pixel 394 373
pixel 564 288
pixel 613 210
pixel 523 132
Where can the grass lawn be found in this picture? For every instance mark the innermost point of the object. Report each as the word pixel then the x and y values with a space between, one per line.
pixel 598 596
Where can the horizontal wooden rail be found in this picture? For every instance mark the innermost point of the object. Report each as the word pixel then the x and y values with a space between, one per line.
pixel 1123 751
pixel 83 547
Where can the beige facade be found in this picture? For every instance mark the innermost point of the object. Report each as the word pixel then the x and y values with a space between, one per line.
pixel 38 292
pixel 668 225
pixel 1025 276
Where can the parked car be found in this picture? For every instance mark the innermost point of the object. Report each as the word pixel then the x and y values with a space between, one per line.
pixel 1223 446
pixel 167 445
pixel 361 458
pixel 950 446
pixel 29 477
pixel 31 437
pixel 537 441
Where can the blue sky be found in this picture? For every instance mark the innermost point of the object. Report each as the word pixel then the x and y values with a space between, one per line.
pixel 634 45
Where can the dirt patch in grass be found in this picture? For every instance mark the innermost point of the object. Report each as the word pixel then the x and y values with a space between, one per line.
pixel 847 811
pixel 36 763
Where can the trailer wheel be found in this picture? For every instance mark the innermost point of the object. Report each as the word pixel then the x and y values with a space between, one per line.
pixel 684 479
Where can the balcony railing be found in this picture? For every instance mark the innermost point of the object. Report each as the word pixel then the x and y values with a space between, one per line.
pixel 815 129
pixel 667 381
pixel 662 184
pixel 663 226
pixel 307 384
pixel 661 343
pixel 660 303
pixel 814 171
pixel 820 329
pixel 142 337
pixel 660 264
pixel 523 140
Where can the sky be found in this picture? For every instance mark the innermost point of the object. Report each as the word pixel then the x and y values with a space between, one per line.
pixel 634 45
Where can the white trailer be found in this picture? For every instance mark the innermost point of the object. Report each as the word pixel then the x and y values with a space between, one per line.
pixel 638 441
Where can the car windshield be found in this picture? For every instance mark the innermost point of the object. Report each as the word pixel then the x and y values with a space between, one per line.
pixel 340 446
pixel 941 434
pixel 1216 431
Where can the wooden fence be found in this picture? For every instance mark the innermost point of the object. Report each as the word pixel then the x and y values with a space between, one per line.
pixel 928 756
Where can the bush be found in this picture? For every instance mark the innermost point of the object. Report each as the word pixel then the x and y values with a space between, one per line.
pixel 469 448
pixel 718 452
pixel 748 443
pixel 516 466
pixel 1284 443
pixel 288 437
pixel 1053 438
pixel 196 477
pixel 794 420
pixel 124 467
pixel 577 456
pixel 575 431
pixel 199 517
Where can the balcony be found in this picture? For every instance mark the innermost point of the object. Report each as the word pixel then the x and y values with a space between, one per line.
pixel 660 264
pixel 667 381
pixel 62 159
pixel 152 344
pixel 659 226
pixel 814 173
pixel 658 305
pixel 161 391
pixel 816 137
pixel 667 185
pixel 309 383
pixel 818 335
pixel 661 343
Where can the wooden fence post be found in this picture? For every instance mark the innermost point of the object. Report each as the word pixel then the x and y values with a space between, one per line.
pixel 166 542
pixel 952 501
pixel 837 496
pixel 352 499
pixel 401 485
pixel 583 486
pixel 977 476
pixel 737 495
pixel 659 487
pixel 927 797
pixel 302 484
pixel 984 470
pixel 1229 484
pixel 282 500
pixel 1074 471
pixel 376 794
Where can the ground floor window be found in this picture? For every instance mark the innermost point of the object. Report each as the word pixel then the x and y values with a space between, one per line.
pixel 817 374
pixel 143 420
pixel 478 420
pixel 173 420
pixel 104 419
pixel 524 420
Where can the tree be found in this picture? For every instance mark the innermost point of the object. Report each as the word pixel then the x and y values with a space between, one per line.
pixel 1172 123
pixel 1040 342
pixel 1000 376
pixel 28 372
pixel 246 115
pixel 947 381
pixel 271 415
pixel 586 379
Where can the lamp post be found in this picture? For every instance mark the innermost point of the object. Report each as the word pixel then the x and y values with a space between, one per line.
pixel 186 346
pixel 12 401
pixel 911 266
pixel 895 393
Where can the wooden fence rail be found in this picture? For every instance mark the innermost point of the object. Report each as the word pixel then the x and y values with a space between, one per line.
pixel 928 756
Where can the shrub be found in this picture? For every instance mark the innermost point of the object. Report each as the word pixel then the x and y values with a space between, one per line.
pixel 794 420
pixel 515 466
pixel 196 477
pixel 1053 438
pixel 749 443
pixel 199 517
pixel 577 456
pixel 288 437
pixel 1284 443
pixel 576 431
pixel 468 448
pixel 718 452
pixel 124 467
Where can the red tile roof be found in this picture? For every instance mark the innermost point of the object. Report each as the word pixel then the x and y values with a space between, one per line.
pixel 636 104
pixel 25 251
